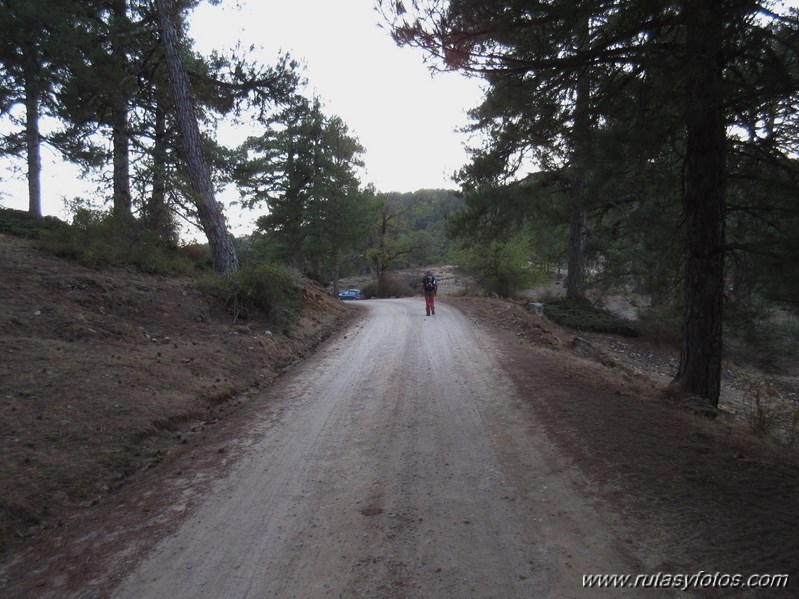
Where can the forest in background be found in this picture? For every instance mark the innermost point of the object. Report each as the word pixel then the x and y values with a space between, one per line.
pixel 663 136
pixel 639 146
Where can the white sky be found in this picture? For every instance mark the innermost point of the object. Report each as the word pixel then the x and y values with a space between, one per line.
pixel 405 118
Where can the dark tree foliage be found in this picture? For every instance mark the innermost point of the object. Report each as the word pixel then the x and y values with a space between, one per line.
pixel 392 239
pixel 33 44
pixel 561 78
pixel 341 210
pixel 428 215
pixel 279 169
pixel 98 91
pixel 763 181
pixel 100 68
pixel 303 170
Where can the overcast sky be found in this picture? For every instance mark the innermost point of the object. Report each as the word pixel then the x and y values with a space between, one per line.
pixel 405 118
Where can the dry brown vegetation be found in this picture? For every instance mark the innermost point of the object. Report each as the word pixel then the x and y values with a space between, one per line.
pixel 109 371
pixel 106 373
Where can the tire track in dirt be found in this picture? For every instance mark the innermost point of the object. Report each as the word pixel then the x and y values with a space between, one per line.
pixel 402 465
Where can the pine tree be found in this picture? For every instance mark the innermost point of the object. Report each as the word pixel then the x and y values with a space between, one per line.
pixel 680 46
pixel 344 217
pixel 303 169
pixel 31 44
pixel 280 170
pixel 209 212
pixel 390 243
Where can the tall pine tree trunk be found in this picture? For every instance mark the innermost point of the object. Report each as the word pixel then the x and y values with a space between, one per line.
pixel 336 271
pixel 121 159
pixel 119 111
pixel 575 277
pixel 742 267
pixel 209 212
pixel 699 372
pixel 33 139
pixel 157 212
pixel 578 233
pixel 335 242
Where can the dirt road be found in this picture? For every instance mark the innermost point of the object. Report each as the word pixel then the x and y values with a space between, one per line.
pixel 148 451
pixel 401 464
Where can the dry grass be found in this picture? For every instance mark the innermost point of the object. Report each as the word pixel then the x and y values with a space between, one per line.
pixel 768 413
pixel 104 372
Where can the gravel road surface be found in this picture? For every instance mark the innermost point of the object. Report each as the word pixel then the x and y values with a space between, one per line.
pixel 401 464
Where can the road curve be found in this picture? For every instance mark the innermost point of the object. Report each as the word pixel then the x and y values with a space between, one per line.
pixel 402 465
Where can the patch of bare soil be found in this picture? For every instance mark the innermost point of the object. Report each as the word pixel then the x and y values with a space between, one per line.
pixel 106 373
pixel 721 499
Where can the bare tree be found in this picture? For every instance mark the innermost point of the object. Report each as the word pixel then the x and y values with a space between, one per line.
pixel 388 244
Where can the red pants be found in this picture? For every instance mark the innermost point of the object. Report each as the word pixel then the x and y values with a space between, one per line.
pixel 430 304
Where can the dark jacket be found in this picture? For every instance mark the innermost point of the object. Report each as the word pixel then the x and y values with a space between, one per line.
pixel 429 287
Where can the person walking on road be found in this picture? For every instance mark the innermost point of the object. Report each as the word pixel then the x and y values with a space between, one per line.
pixel 429 290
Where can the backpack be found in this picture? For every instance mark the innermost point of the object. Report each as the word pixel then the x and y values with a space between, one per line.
pixel 429 283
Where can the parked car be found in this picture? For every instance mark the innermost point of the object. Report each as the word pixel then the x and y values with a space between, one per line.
pixel 350 294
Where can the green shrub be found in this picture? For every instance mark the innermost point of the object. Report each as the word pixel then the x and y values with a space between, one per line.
pixel 662 324
pixel 760 330
pixel 393 286
pixel 768 413
pixel 270 288
pixel 216 285
pixel 788 331
pixel 319 277
pixel 149 254
pixel 94 238
pixel 98 238
pixel 198 253
pixel 502 267
pixel 581 314
pixel 24 224
pixel 369 290
pixel 398 286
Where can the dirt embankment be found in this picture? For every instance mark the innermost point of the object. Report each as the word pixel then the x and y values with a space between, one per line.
pixel 106 372
pixel 707 492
